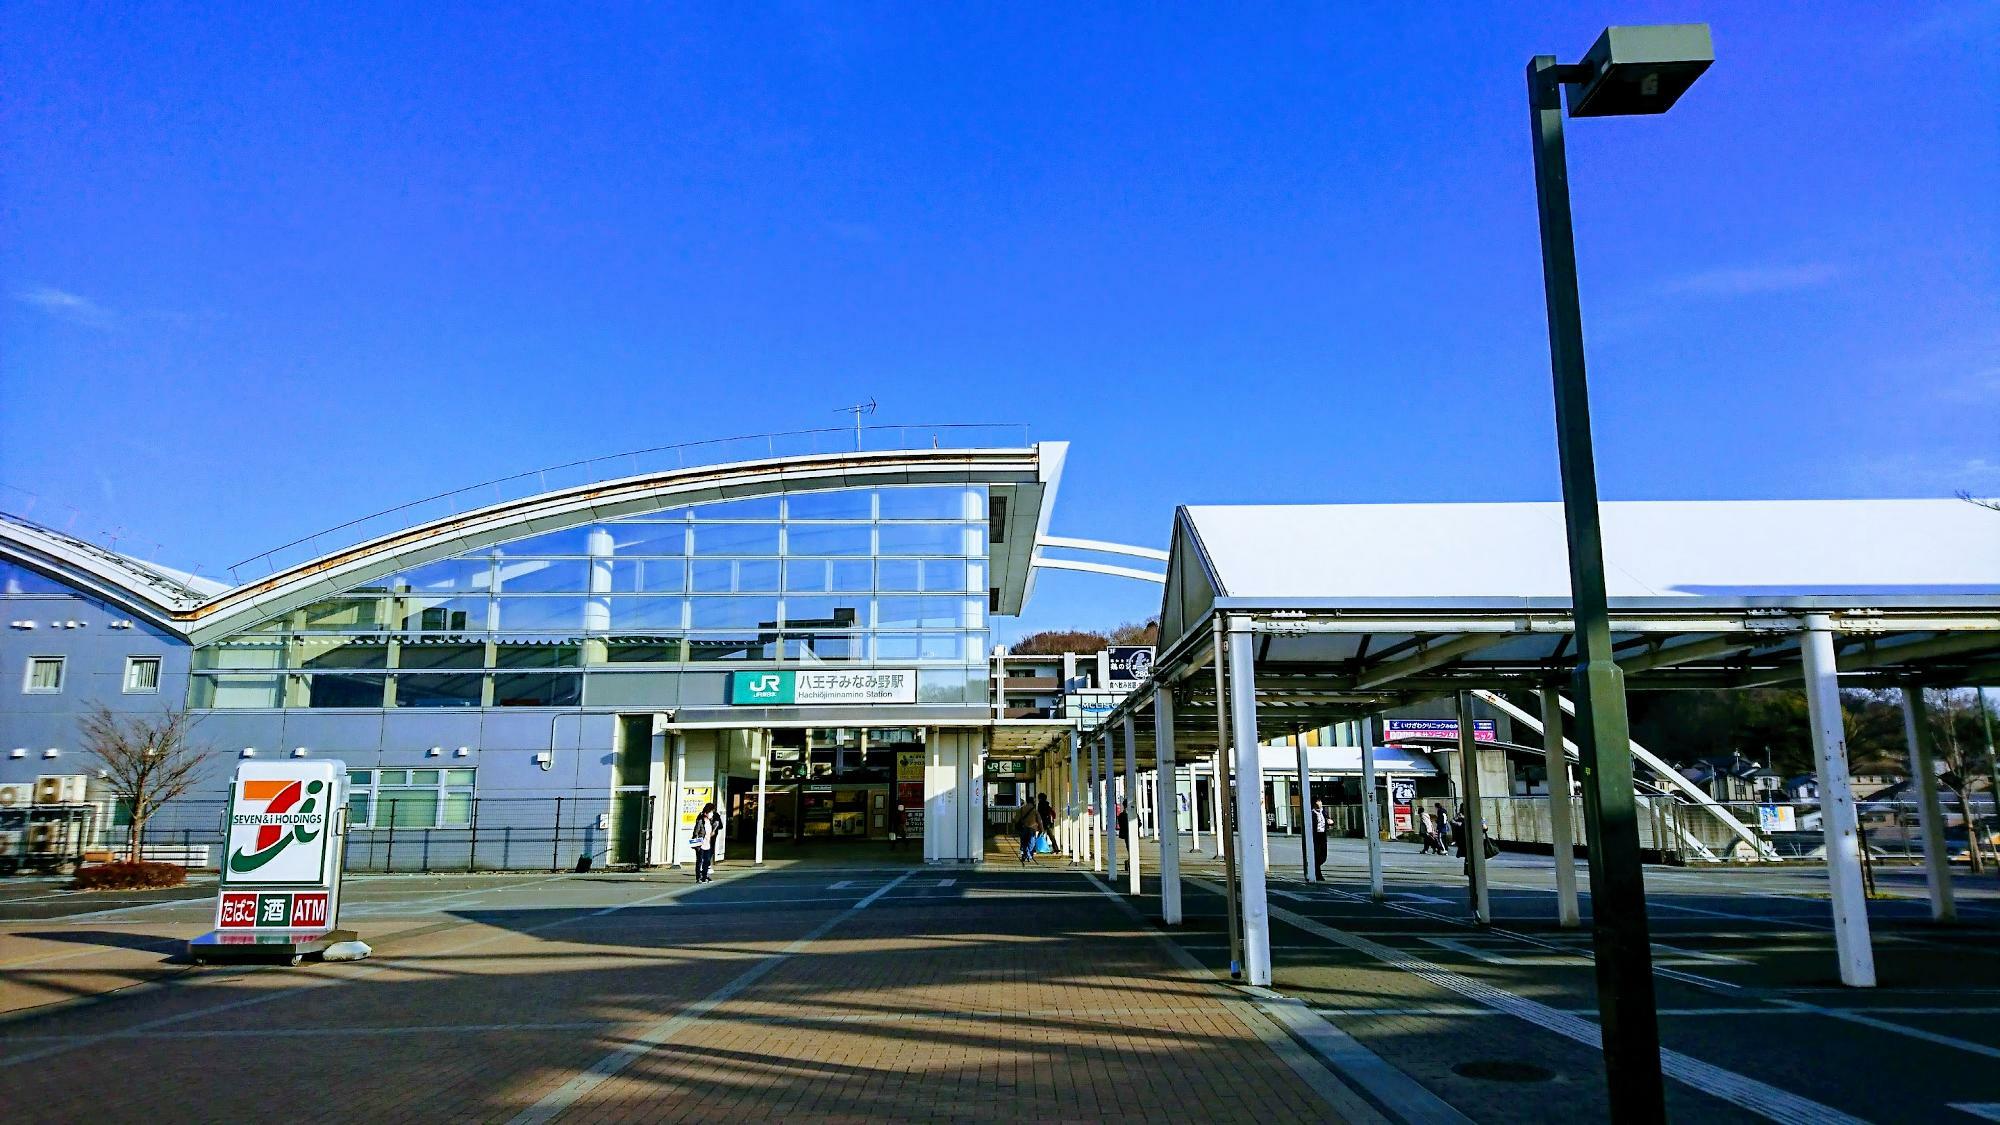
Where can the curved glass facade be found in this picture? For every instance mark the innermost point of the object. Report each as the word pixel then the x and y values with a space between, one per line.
pixel 866 577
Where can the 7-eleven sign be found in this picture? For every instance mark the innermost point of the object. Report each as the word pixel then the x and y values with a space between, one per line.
pixel 281 857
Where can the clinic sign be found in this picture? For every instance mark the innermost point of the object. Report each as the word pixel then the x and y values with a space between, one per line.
pixel 809 688
pixel 281 851
pixel 1130 667
pixel 1396 730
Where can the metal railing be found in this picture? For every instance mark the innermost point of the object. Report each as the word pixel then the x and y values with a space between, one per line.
pixel 640 462
pixel 499 834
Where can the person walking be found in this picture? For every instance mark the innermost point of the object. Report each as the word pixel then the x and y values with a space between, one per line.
pixel 707 827
pixel 1440 826
pixel 1027 826
pixel 1048 812
pixel 1320 826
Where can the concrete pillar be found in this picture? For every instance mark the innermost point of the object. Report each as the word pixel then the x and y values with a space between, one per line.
pixel 1219 777
pixel 1170 808
pixel 1475 833
pixel 1371 812
pixel 1194 804
pixel 1562 832
pixel 1107 815
pixel 1249 803
pixel 1132 795
pixel 1930 814
pixel 1071 806
pixel 1836 797
pixel 1304 772
pixel 674 849
pixel 763 790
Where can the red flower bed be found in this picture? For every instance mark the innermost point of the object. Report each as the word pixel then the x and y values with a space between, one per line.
pixel 129 876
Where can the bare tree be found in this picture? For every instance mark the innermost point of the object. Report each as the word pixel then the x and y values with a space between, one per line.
pixel 1953 713
pixel 150 759
pixel 1980 501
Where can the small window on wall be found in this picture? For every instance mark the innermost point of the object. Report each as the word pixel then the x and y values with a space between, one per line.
pixel 410 798
pixel 142 675
pixel 44 675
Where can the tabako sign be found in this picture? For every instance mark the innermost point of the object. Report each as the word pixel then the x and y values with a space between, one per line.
pixel 804 688
pixel 281 858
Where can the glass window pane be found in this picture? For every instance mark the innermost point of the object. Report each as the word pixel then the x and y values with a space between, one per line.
pixel 828 539
pixel 340 652
pixel 899 613
pixel 822 648
pixel 924 539
pixel 946 575
pixel 738 645
pixel 544 576
pixel 944 685
pixel 943 646
pixel 654 650
pixel 540 613
pixel 360 777
pixel 975 577
pixel 839 504
pixel 825 613
pixel 457 810
pixel 898 575
pixel 392 777
pixel 409 808
pixel 228 692
pixel 897 646
pixel 954 502
pixel 648 576
pixel 569 541
pixel 806 575
pixel 438 691
pixel 337 690
pixel 729 612
pixel 853 577
pixel 458 777
pixel 447 576
pixel 423 777
pixel 346 613
pixel 757 576
pixel 422 652
pixel 242 654
pixel 649 539
pixel 537 652
pixel 645 614
pixel 736 539
pixel 357 809
pixel 752 508
pixel 537 689
pixel 445 615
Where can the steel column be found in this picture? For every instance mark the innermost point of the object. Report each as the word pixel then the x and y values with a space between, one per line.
pixel 1132 830
pixel 1836 802
pixel 1170 808
pixel 1930 813
pixel 1371 813
pixel 1562 833
pixel 1475 828
pixel 1249 803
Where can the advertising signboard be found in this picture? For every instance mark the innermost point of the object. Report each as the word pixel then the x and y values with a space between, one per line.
pixel 1402 799
pixel 1130 665
pixel 1395 730
pixel 280 886
pixel 811 688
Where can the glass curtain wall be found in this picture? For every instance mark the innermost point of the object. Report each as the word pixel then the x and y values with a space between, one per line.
pixel 883 577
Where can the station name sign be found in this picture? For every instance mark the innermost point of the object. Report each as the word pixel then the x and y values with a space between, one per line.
pixel 809 688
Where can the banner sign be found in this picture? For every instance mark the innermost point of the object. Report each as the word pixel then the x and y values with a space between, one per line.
pixel 1777 818
pixel 806 688
pixel 1394 730
pixel 910 765
pixel 281 856
pixel 1006 767
pixel 1402 790
pixel 1130 665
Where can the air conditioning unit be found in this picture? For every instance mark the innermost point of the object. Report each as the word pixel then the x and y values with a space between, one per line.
pixel 42 837
pixel 61 788
pixel 16 795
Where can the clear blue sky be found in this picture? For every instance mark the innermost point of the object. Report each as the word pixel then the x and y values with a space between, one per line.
pixel 270 270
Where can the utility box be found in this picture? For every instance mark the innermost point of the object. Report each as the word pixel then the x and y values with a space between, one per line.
pixel 62 789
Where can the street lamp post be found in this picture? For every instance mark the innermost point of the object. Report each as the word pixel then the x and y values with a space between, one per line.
pixel 1630 70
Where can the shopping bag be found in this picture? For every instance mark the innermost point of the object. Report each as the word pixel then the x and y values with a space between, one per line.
pixel 1044 845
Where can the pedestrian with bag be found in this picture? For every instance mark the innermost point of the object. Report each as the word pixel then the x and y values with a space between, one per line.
pixel 1048 811
pixel 1028 825
pixel 707 828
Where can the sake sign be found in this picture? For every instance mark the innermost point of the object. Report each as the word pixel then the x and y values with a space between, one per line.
pixel 281 852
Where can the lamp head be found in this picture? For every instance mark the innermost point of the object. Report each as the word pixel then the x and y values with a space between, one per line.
pixel 1639 70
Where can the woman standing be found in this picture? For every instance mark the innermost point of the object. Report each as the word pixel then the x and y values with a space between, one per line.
pixel 707 827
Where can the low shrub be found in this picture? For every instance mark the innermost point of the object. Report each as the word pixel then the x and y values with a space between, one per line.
pixel 129 876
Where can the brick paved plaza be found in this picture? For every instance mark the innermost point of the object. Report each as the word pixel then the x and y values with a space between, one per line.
pixel 852 985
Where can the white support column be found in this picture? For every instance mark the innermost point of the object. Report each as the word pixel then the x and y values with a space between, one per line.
pixel 1468 791
pixel 674 814
pixel 1249 802
pixel 1194 804
pixel 1930 814
pixel 1132 793
pixel 1304 771
pixel 1371 813
pixel 1170 808
pixel 1072 807
pixel 763 790
pixel 1562 832
pixel 1107 816
pixel 1217 776
pixel 1836 795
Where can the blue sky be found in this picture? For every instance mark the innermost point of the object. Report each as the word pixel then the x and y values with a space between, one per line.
pixel 268 270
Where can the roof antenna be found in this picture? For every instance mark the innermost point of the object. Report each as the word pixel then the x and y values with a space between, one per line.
pixel 858 409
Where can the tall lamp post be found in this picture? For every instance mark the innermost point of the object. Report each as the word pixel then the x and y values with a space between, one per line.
pixel 1630 70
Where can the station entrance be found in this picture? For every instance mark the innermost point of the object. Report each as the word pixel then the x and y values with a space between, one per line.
pixel 832 785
